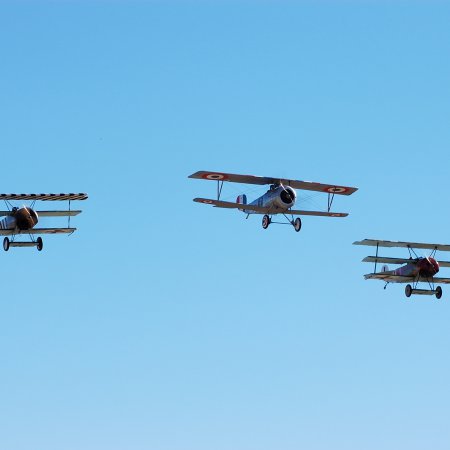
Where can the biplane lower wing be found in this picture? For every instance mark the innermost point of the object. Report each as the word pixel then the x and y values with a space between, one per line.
pixel 252 179
pixel 390 278
pixel 38 231
pixel 382 259
pixel 264 210
pixel 414 245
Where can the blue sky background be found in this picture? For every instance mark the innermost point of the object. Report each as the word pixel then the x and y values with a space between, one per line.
pixel 164 324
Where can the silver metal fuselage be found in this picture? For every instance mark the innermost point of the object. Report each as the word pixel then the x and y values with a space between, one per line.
pixel 278 199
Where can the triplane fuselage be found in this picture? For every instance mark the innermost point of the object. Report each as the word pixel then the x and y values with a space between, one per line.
pixel 415 269
pixel 279 198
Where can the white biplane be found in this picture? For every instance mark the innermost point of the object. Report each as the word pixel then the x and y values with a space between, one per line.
pixel 416 268
pixel 22 221
pixel 279 199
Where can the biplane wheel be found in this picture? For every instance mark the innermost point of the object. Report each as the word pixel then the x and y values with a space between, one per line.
pixel 265 221
pixel 6 244
pixel 438 292
pixel 408 290
pixel 297 224
pixel 39 244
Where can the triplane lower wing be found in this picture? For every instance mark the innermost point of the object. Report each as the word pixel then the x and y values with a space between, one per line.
pixel 415 269
pixel 22 220
pixel 279 199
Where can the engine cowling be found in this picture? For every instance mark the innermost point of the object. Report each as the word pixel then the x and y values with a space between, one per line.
pixel 286 197
pixel 26 218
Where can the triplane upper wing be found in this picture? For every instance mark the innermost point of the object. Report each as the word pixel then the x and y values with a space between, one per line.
pixel 400 244
pixel 44 197
pixel 252 179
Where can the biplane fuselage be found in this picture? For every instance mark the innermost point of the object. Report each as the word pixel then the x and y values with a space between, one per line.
pixel 277 199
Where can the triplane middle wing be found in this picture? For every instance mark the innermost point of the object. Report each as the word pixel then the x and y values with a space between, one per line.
pixel 416 269
pixel 279 199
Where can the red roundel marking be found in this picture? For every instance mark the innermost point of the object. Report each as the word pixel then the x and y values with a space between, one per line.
pixel 208 202
pixel 336 190
pixel 335 215
pixel 215 176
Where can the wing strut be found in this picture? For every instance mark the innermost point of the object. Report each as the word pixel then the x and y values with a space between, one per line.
pixel 219 188
pixel 330 199
pixel 376 259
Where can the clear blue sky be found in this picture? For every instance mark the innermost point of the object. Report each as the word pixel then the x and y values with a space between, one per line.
pixel 167 325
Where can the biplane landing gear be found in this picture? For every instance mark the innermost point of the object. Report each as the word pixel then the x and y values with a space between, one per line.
pixel 39 244
pixel 297 224
pixel 408 290
pixel 265 221
pixel 438 292
pixel 6 244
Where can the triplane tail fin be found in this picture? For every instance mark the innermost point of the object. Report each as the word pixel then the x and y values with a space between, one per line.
pixel 385 268
pixel 242 199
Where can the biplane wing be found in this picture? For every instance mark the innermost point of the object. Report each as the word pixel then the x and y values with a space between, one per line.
pixel 49 213
pixel 382 259
pixel 252 179
pixel 415 245
pixel 38 231
pixel 266 210
pixel 44 197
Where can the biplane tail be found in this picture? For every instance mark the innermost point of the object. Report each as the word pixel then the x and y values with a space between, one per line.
pixel 242 199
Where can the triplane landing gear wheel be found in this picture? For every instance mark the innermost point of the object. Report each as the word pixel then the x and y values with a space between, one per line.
pixel 265 221
pixel 39 244
pixel 408 290
pixel 297 224
pixel 6 244
pixel 438 292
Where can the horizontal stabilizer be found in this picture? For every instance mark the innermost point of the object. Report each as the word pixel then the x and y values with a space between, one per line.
pixel 296 184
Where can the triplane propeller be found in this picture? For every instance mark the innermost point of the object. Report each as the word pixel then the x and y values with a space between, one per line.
pixel 416 269
pixel 19 221
pixel 279 199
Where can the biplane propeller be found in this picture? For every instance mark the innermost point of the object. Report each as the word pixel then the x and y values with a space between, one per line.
pixel 416 269
pixel 279 199
pixel 23 220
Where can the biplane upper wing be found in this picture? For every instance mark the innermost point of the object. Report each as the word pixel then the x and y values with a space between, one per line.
pixel 265 210
pixel 49 213
pixel 415 245
pixel 38 231
pixel 44 197
pixel 382 259
pixel 296 184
